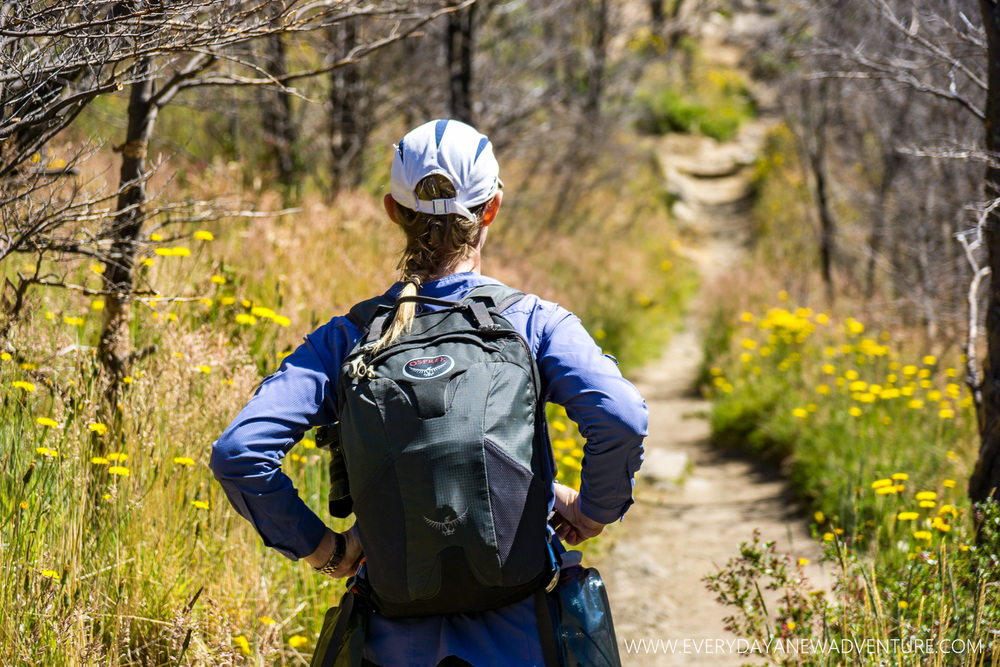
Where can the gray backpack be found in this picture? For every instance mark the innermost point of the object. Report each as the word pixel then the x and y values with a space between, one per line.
pixel 444 440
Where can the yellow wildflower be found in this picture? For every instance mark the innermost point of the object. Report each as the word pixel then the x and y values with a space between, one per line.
pixel 281 320
pixel 21 384
pixel 243 318
pixel 205 301
pixel 155 237
pixel 927 504
pixel 886 490
pixel 5 356
pixel 858 385
pixel 218 280
pixel 924 373
pixel 308 443
pixel 118 456
pixel 855 411
pixel 801 413
pixel 205 369
pixel 803 561
pixel 119 470
pixel 948 483
pixel 903 604
pixel 941 526
pixel 99 460
pixel 559 426
pixel 746 317
pixel 242 643
pixel 98 428
pixel 74 321
pixel 946 413
pixel 260 311
pixel 851 375
pixel 245 303
pixel 46 421
pixel 823 390
pixel 127 379
pixel 749 343
pixel 97 304
pixel 828 537
pixel 820 517
pixel 202 235
pixel 908 516
pixel 183 461
pixel 909 370
pixel 296 641
pixel 52 574
pixel 147 261
pixel 200 504
pixel 927 495
pixel 915 404
pixel 23 505
pixel 922 534
pixel 900 476
pixel 45 451
pixel 267 620
pixel 929 360
pixel 881 483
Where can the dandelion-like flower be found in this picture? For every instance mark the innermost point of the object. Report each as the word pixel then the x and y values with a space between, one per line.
pixel 200 504
pixel 183 461
pixel 98 428
pixel 218 280
pixel 948 483
pixel 118 456
pixel 99 460
pixel 803 561
pixel 267 620
pixel 119 470
pixel 922 534
pixel 242 643
pixel 202 235
pixel 243 318
pixel 52 574
pixel 48 422
pixel 908 516
pixel 296 641
pixel 21 384
pixel 97 304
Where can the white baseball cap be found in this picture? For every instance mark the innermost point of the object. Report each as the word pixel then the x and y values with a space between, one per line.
pixel 457 151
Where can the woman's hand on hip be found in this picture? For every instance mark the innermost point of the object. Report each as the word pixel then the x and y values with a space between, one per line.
pixel 571 524
pixel 352 552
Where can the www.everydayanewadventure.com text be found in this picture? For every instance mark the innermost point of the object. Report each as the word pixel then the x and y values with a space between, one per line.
pixel 803 646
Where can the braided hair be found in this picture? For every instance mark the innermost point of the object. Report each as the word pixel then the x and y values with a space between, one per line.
pixel 435 245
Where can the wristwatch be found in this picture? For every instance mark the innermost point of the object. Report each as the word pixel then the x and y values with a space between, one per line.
pixel 339 551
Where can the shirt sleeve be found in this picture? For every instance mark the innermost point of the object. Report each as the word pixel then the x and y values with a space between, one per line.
pixel 246 459
pixel 606 407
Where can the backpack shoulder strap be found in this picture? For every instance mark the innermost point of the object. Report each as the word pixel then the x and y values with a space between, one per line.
pixel 362 314
pixel 498 298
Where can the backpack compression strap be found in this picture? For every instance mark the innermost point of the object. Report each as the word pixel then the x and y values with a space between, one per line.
pixel 500 297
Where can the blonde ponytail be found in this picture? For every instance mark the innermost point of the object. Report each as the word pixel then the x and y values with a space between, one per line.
pixel 405 312
pixel 435 245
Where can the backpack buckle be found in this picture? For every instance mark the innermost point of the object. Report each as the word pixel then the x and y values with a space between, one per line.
pixel 359 369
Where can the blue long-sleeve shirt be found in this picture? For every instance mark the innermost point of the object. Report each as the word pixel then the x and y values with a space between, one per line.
pixel 611 415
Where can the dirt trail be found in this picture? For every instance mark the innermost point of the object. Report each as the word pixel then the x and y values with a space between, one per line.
pixel 695 504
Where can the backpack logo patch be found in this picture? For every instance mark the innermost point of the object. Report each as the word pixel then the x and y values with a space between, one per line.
pixel 425 368
pixel 447 528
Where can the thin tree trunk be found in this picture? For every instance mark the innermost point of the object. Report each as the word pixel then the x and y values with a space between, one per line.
pixel 816 149
pixel 460 40
pixel 598 60
pixel 656 15
pixel 985 478
pixel 115 348
pixel 349 109
pixel 276 107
